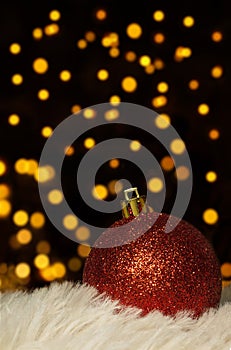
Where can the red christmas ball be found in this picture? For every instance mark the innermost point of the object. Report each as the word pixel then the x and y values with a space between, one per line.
pixel 169 272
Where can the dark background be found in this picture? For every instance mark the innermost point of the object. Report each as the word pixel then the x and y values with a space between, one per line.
pixel 18 20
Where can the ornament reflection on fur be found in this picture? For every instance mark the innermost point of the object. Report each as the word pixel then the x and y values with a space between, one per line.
pixel 169 272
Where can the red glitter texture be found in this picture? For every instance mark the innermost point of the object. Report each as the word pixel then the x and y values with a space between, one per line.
pixel 169 272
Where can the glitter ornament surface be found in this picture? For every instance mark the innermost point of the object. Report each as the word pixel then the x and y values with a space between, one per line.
pixel 169 272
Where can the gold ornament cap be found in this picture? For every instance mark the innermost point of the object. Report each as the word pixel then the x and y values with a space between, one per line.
pixel 133 203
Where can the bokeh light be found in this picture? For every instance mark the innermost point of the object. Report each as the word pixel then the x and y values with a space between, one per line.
pixel 51 29
pixel 217 36
pixel 37 220
pixel 159 38
pixel 20 218
pixel 182 173
pixel 99 192
pixel 3 167
pixel 54 15
pixel 101 15
pixel 226 270
pixel 82 233
pixel 55 197
pixel 188 21
pixel 15 48
pixel 5 191
pixel 167 163
pixel 214 134
pixel 17 79
pixel 83 250
pixel 74 264
pixel 158 15
pixel 24 236
pixel 211 176
pixel 162 121
pixel 102 74
pixel 43 94
pixel 5 208
pixel 210 216
pixel 193 84
pixel 217 72
pixel 177 146
pixel 203 109
pixel 135 145
pixel 37 33
pixel 46 131
pixel 134 31
pixel 159 101
pixel 162 87
pixel 22 270
pixel 155 184
pixel 41 261
pixel 70 221
pixel 65 75
pixel 114 163
pixel 40 65
pixel 129 84
pixel 14 119
pixel 89 143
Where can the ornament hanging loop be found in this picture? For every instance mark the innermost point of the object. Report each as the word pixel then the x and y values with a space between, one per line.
pixel 134 205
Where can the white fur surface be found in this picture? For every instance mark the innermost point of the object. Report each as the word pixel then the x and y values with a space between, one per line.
pixel 71 316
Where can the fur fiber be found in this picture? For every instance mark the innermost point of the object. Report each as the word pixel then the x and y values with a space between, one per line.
pixel 67 316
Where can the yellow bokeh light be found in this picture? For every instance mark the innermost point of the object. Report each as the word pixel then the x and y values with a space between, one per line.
pixel 3 167
pixel 114 52
pixel 167 163
pixel 44 173
pixel 102 74
pixel 226 270
pixel 22 270
pixel 134 31
pixel 155 184
pixel 75 109
pixel 99 192
pixel 20 218
pixel 24 236
pixel 37 33
pixel 130 56
pixel 47 274
pixel 65 75
pixel 37 220
pixel 177 146
pixel 5 208
pixel 43 94
pixel 217 72
pixel 211 176
pixel 210 216
pixel 70 221
pixel 51 29
pixel 115 186
pixel 101 14
pixel 159 38
pixel 162 87
pixel 114 163
pixel 214 134
pixel 4 191
pixel 83 250
pixel 82 44
pixel 40 65
pixel 13 119
pixel 82 233
pixel 162 121
pixel 21 166
pixel 217 36
pixel 41 261
pixel 32 166
pixel 145 61
pixel 158 16
pixel 150 69
pixel 46 131
pixel 90 36
pixel 158 63
pixel 69 151
pixel 129 84
pixel 182 173
pixel 182 52
pixel 135 145
pixel 159 101
pixel 3 268
pixel 111 114
pixel 89 113
pixel 89 143
pixel 188 21
pixel 59 270
pixel 203 109
pixel 15 48
pixel 193 84
pixel 54 15
pixel 43 247
pixel 55 197
pixel 17 79
pixel 74 264
pixel 115 100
